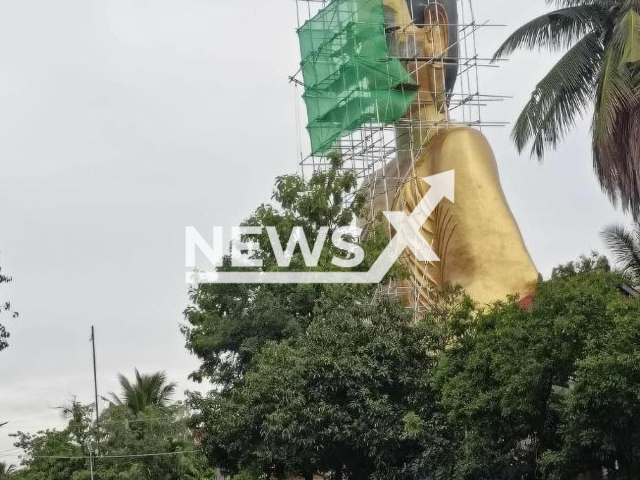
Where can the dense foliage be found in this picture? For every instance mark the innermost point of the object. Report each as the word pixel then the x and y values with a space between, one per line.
pixel 464 393
pixel 351 397
pixel 153 443
pixel 526 389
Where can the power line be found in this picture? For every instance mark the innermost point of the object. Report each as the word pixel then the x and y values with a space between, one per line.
pixel 11 455
pixel 110 422
pixel 117 456
pixel 10 450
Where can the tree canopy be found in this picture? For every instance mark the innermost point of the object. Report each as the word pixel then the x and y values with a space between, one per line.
pixel 148 444
pixel 530 387
pixel 464 393
pixel 227 324
pixel 351 397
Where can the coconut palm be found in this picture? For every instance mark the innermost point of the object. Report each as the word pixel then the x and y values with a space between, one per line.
pixel 148 390
pixel 601 69
pixel 624 245
pixel 7 470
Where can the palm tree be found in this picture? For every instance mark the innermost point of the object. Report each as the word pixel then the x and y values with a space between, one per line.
pixel 624 245
pixel 148 390
pixel 6 470
pixel 601 69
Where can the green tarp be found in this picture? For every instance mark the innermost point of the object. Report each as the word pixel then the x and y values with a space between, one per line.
pixel 348 76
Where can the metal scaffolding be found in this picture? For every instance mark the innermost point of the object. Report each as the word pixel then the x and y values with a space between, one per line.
pixel 373 149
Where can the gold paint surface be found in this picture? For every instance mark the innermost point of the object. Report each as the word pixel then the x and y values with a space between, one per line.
pixel 476 238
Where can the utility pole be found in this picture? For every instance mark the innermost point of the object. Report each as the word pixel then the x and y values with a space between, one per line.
pixel 95 377
pixel 90 448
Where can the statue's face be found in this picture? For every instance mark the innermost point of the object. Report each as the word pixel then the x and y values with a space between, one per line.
pixel 425 28
pixel 412 35
pixel 416 10
pixel 421 46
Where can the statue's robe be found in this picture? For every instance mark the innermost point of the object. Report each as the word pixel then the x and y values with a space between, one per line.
pixel 476 238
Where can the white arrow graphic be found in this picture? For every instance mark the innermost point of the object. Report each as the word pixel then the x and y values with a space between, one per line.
pixel 407 235
pixel 408 228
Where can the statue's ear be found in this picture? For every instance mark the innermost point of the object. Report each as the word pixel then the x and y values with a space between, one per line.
pixel 436 23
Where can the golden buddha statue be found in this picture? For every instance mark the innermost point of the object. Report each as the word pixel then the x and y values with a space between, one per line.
pixel 477 239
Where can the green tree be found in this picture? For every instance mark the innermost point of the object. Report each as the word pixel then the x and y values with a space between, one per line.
pixel 6 307
pixel 151 444
pixel 352 397
pixel 602 411
pixel 601 69
pixel 155 430
pixel 227 325
pixel 42 449
pixel 624 245
pixel 147 390
pixel 549 392
pixel 367 392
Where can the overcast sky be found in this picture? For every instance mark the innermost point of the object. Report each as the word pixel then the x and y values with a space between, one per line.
pixel 123 121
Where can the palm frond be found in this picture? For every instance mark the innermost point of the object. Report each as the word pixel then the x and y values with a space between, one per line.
pixel 610 72
pixel 148 390
pixel 7 469
pixel 616 122
pixel 556 30
pixel 625 248
pixel 560 97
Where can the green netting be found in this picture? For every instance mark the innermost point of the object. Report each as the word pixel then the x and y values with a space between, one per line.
pixel 348 76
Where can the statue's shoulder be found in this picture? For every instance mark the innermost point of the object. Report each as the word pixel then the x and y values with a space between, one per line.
pixel 461 134
pixel 460 148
